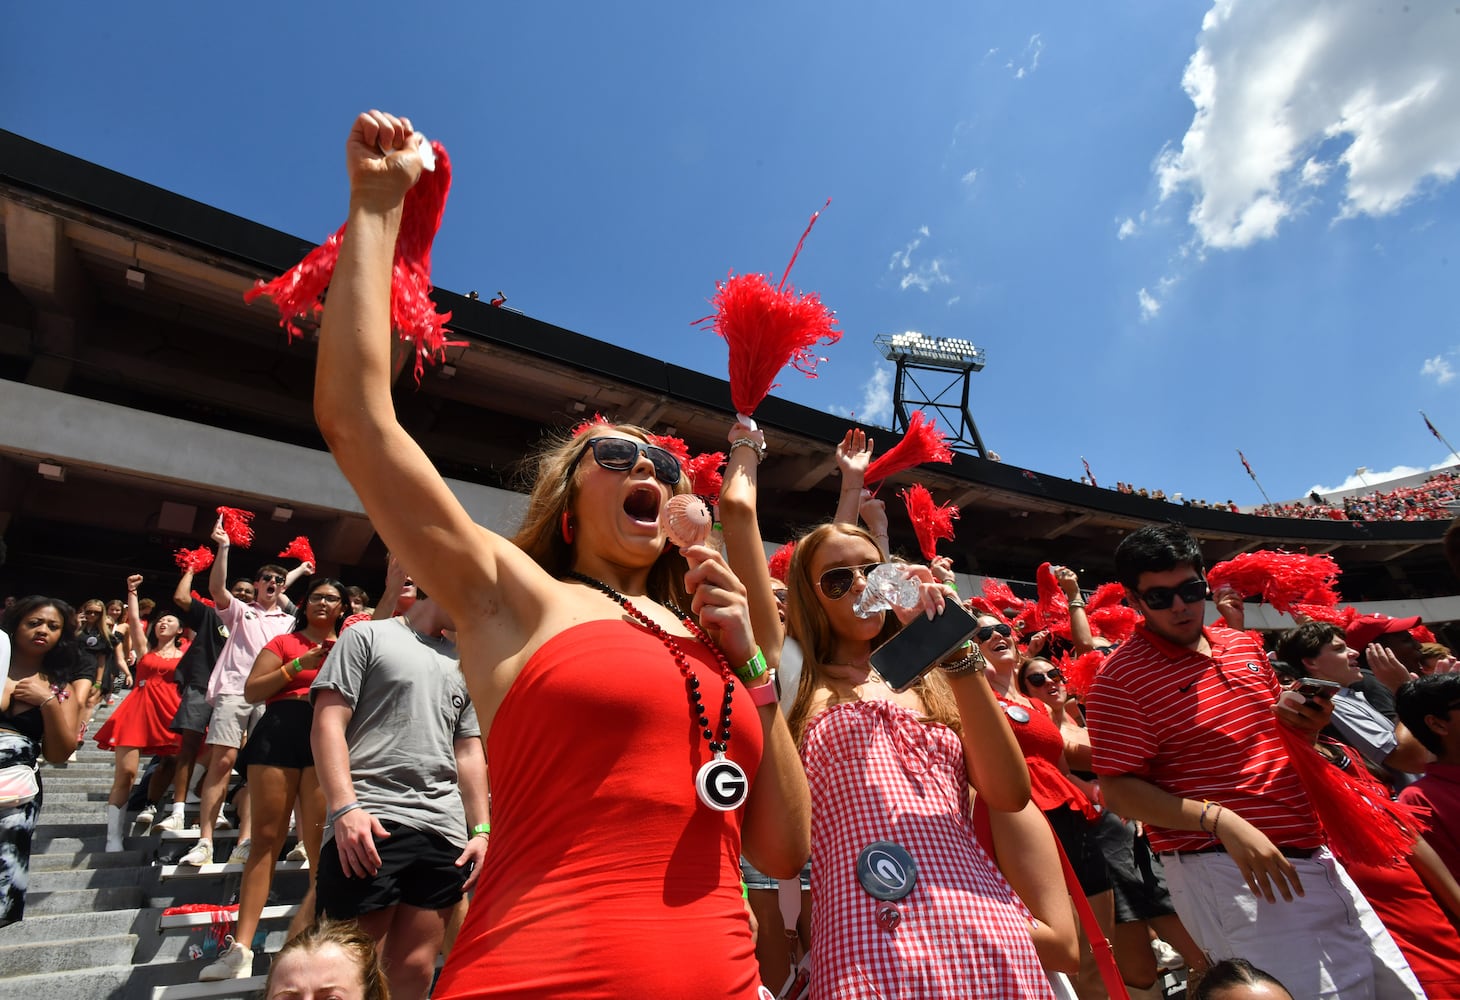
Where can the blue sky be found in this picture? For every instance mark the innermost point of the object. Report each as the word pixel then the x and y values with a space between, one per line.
pixel 1177 228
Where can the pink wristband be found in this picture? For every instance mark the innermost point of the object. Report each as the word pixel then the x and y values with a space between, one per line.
pixel 764 694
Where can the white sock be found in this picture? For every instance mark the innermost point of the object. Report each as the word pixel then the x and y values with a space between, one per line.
pixel 177 809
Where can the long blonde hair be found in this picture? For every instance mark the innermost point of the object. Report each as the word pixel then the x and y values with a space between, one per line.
pixel 806 622
pixel 555 487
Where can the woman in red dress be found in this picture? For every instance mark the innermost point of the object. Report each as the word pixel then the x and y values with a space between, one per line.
pixel 621 796
pixel 141 722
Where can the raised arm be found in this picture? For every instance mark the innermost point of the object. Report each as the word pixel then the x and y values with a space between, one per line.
pixel 135 633
pixel 1081 634
pixel 852 457
pixel 744 547
pixel 218 575
pixel 408 502
pixel 182 594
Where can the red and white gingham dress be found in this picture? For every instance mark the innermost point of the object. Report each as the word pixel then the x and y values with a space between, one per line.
pixel 877 773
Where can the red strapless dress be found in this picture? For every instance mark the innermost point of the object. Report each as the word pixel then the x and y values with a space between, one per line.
pixel 143 717
pixel 606 876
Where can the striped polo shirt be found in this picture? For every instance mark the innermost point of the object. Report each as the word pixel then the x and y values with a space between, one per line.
pixel 1200 727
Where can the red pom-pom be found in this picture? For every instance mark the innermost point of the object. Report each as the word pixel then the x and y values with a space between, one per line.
pixel 1054 606
pixel 236 524
pixel 767 328
pixel 1115 622
pixel 300 290
pixel 675 446
pixel 924 442
pixel 780 562
pixel 704 473
pixel 1341 617
pixel 930 522
pixel 203 600
pixel 1080 671
pixel 193 560
pixel 597 420
pixel 1282 579
pixel 300 549
pixel 1001 599
pixel 1359 825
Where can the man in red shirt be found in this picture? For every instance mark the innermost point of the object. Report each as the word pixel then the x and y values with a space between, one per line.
pixel 1181 719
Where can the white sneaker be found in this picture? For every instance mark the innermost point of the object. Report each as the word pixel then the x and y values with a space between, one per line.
pixel 298 853
pixel 239 855
pixel 201 854
pixel 1167 957
pixel 222 822
pixel 234 962
pixel 147 815
pixel 172 821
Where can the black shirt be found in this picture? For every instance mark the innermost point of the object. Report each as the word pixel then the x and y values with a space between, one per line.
pixel 196 665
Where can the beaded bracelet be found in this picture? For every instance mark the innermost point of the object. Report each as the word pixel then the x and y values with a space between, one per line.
pixel 973 663
pixel 752 444
pixel 61 693
pixel 1201 821
pixel 1078 602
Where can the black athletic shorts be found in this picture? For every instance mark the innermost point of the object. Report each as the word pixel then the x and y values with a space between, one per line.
pixel 1135 873
pixel 417 868
pixel 281 739
pixel 1077 836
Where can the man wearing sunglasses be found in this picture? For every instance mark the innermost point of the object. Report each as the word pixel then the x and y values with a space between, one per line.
pixel 250 626
pixel 1181 720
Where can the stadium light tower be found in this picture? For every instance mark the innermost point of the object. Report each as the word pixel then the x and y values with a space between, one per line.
pixel 951 358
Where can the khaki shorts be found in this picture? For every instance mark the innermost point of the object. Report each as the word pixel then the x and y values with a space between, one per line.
pixel 233 719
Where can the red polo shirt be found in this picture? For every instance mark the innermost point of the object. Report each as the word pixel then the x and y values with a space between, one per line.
pixel 1200 727
pixel 1435 799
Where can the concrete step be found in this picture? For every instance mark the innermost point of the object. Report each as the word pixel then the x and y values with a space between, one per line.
pixel 60 861
pixel 49 902
pixel 207 871
pixel 33 958
pixel 101 983
pixel 71 925
pixel 244 989
pixel 88 878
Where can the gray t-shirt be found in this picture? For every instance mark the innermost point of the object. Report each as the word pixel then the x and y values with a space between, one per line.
pixel 411 705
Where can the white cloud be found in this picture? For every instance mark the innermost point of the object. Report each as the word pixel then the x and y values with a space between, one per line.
pixel 1028 60
pixel 953 301
pixel 923 275
pixel 1439 367
pixel 1149 305
pixel 877 398
pixel 1288 93
pixel 1377 479
pixel 1127 228
pixel 970 177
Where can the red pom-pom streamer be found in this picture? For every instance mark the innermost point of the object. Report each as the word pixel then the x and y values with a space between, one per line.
pixel 767 328
pixel 1080 671
pixel 780 561
pixel 597 420
pixel 203 600
pixel 300 549
pixel 930 522
pixel 1116 622
pixel 236 524
pixel 1054 606
pixel 193 560
pixel 1358 825
pixel 675 446
pixel 1282 579
pixel 924 442
pixel 704 473
pixel 1341 617
pixel 300 290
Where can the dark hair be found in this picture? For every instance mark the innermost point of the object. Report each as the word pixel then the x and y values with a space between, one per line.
pixel 270 568
pixel 1432 694
pixel 177 640
pixel 1154 549
pixel 301 612
pixel 349 938
pixel 244 579
pixel 1304 642
pixel 63 663
pixel 1024 666
pixel 1233 972
pixel 360 593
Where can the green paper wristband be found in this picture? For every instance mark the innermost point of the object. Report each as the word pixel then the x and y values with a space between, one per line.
pixel 755 668
pixel 481 828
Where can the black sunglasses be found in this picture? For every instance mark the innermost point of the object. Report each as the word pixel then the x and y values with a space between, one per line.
pixel 1037 680
pixel 1190 592
pixel 987 632
pixel 271 578
pixel 620 455
pixel 835 583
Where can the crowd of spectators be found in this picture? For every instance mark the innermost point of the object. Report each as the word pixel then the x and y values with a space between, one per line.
pixel 1431 500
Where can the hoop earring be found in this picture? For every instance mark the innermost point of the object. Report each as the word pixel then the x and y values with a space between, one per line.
pixel 567 527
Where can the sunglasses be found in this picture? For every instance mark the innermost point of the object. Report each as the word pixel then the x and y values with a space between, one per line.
pixel 1037 680
pixel 270 578
pixel 781 594
pixel 1190 592
pixel 835 583
pixel 988 632
pixel 621 454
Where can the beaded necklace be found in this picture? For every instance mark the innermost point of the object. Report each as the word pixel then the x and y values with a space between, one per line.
pixel 720 783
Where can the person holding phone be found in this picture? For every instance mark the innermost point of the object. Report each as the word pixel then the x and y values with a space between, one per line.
pixel 279 762
pixel 896 767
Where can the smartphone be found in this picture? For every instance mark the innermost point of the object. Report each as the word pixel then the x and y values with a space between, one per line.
pixel 1316 687
pixel 915 650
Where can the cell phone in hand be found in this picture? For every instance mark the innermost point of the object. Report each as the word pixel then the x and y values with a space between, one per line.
pixel 921 644
pixel 1308 690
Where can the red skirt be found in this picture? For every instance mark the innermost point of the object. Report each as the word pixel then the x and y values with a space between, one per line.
pixel 143 717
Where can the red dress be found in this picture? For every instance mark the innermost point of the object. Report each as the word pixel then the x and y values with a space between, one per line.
pixel 143 717
pixel 878 773
pixel 1041 742
pixel 607 877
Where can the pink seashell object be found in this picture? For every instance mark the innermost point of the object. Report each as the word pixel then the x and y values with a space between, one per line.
pixel 686 520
